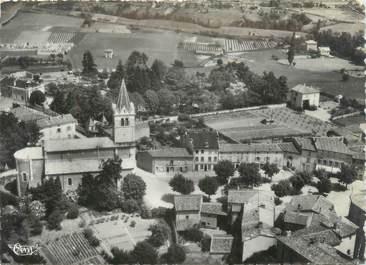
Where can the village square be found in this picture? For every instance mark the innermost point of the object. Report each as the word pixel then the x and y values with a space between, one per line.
pixel 182 132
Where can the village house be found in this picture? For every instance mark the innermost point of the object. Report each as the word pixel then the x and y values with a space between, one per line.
pixel 23 86
pixel 307 212
pixel 324 51
pixel 252 153
pixel 57 127
pixel 205 147
pixel 165 162
pixel 69 159
pixel 311 45
pixel 304 97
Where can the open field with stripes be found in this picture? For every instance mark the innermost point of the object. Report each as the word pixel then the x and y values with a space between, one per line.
pixel 71 249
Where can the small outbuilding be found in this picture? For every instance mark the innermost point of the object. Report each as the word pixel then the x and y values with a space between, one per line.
pixel 304 97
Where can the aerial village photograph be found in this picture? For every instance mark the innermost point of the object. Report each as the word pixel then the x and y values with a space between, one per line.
pixel 182 132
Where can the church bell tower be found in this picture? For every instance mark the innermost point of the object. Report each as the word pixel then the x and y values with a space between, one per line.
pixel 124 118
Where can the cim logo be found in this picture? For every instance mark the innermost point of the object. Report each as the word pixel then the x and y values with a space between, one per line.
pixel 20 250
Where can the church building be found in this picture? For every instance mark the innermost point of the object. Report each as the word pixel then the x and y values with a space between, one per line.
pixel 69 159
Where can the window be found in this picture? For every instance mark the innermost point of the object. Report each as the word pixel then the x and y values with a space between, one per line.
pixel 196 167
pixel 202 159
pixel 197 151
pixel 127 122
pixel 181 169
pixel 187 217
pixel 58 130
pixel 196 159
pixel 267 158
pixel 336 164
pixel 348 251
pixel 257 158
pixel 171 162
pixel 25 177
pixel 202 151
pixel 69 181
pixel 215 159
pixel 201 166
pixel 167 169
pixel 209 167
pixel 122 122
pixel 330 163
pixel 209 159
pixel 308 160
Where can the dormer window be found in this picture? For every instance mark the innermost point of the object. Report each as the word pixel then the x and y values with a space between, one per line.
pixel 122 122
pixel 126 122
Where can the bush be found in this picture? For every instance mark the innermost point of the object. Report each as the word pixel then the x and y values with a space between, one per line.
pixel 82 223
pixel 159 212
pixel 193 234
pixel 277 201
pixel 130 206
pixel 160 233
pixel 175 255
pixel 89 235
pixel 283 188
pixel 12 187
pixel 133 223
pixel 54 220
pixel 8 199
pixel 206 243
pixel 73 212
pixel 145 212
pixel 183 117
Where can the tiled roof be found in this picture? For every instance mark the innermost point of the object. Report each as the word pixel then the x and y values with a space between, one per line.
pixel 345 228
pixel 318 253
pixel 249 148
pixel 288 147
pixel 27 114
pixel 305 143
pixel 204 139
pixel 245 196
pixel 212 208
pixel 55 121
pixel 78 144
pixel 331 144
pixel 318 233
pixel 296 218
pixel 221 244
pixel 60 167
pixel 303 89
pixel 170 153
pixel 187 202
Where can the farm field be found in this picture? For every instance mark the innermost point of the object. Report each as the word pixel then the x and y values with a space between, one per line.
pixel 328 82
pixel 155 43
pixel 35 21
pixel 345 27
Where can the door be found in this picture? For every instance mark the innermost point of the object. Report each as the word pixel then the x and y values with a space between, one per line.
pixel 306 104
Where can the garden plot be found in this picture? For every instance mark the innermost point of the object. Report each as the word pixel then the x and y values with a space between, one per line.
pixel 32 37
pixel 121 230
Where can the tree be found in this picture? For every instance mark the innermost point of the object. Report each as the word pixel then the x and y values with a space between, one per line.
pixel 121 256
pixel 193 234
pixel 181 184
pixel 270 169
pixel 115 80
pixel 291 50
pixel 130 206
pixel 37 98
pixel 89 67
pixel 324 185
pixel 133 187
pixel 208 185
pixel 145 253
pixel 15 135
pixel 152 100
pixel 58 103
pixel 111 172
pixel 138 73
pixel 54 220
pixel 160 233
pixel 166 100
pixel 297 182
pixel 175 255
pixel 347 175
pixel 86 190
pixel 249 174
pixel 224 169
pixel 283 188
pixel 158 72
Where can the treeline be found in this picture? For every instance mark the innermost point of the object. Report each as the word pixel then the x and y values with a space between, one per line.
pixel 343 44
pixel 274 20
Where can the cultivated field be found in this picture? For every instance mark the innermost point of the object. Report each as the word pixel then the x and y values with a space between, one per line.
pixel 116 230
pixel 329 82
pixel 70 249
pixel 245 125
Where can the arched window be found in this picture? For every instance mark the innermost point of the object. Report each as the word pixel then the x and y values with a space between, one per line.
pixel 126 122
pixel 122 122
pixel 25 177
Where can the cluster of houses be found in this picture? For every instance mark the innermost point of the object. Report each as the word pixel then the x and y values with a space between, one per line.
pixel 204 150
pixel 306 230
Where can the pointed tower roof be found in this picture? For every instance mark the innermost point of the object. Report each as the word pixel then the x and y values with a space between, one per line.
pixel 123 100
